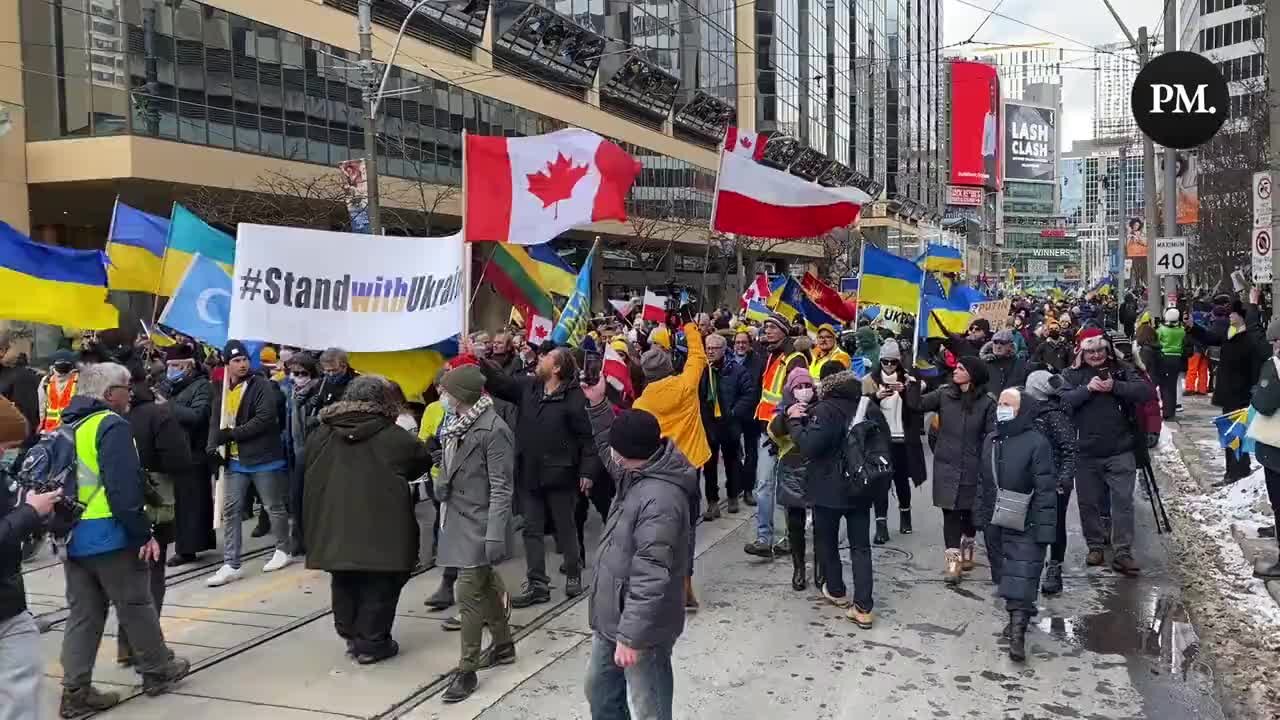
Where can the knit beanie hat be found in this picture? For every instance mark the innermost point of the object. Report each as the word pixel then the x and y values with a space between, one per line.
pixel 656 364
pixel 982 324
pixel 234 349
pixel 796 377
pixel 635 435
pixel 466 383
pixel 777 319
pixel 1043 384
pixel 978 373
pixel 891 350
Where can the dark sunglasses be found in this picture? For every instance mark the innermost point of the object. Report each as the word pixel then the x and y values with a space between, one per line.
pixel 300 375
pixel 888 362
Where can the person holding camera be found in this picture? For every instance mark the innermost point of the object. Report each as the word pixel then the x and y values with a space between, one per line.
pixel 20 661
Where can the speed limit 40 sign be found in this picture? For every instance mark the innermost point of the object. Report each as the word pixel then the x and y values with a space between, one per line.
pixel 1171 256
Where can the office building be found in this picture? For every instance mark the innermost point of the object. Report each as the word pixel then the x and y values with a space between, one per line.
pixel 915 101
pixel 1230 33
pixel 1113 81
pixel 1022 65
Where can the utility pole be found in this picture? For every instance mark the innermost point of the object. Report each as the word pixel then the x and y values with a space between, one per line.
pixel 369 76
pixel 1154 302
pixel 1272 21
pixel 1170 156
pixel 1124 224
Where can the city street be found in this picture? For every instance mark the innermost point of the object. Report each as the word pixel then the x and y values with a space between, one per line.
pixel 1109 647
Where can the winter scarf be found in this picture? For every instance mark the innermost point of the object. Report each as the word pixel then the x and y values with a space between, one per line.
pixel 457 425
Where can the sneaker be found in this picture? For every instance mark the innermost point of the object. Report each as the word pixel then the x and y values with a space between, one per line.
pixel 733 506
pixel 279 560
pixel 160 682
pixel 1125 565
pixel 759 548
pixel 573 586
pixel 389 649
pixel 85 701
pixel 840 602
pixel 504 654
pixel 442 599
pixel 464 683
pixel 451 624
pixel 861 618
pixel 712 512
pixel 1052 584
pixel 534 595
pixel 226 574
pixel 782 547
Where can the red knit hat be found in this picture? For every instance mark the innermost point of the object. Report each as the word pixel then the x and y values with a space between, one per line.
pixel 1091 339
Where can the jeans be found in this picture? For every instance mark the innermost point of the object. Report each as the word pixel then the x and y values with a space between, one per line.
pixel 901 482
pixel 480 602
pixel 273 487
pixel 1097 478
pixel 957 524
pixel 641 692
pixel 725 440
pixel 95 583
pixel 364 607
pixel 826 544
pixel 558 504
pixel 20 668
pixel 766 487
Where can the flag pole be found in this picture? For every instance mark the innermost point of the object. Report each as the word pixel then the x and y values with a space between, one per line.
pixel 857 294
pixel 922 322
pixel 468 296
pixel 164 262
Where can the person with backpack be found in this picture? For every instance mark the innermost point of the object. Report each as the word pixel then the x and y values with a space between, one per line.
pixel 1103 394
pixel 1017 507
pixel 1055 424
pixel 966 413
pixel 838 487
pixel 106 543
pixel 21 664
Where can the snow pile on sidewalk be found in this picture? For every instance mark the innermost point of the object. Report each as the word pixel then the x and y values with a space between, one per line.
pixel 1236 613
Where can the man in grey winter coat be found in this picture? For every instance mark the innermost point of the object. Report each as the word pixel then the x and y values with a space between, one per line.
pixel 474 489
pixel 637 594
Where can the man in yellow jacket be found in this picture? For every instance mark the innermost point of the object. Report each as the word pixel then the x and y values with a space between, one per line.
pixel 673 400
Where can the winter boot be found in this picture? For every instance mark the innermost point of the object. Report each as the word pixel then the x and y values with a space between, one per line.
pixel 1018 622
pixel 798 576
pixel 820 577
pixel 1052 584
pixel 968 548
pixel 442 598
pixel 952 571
pixel 160 681
pixel 904 521
pixel 464 683
pixel 86 701
pixel 882 531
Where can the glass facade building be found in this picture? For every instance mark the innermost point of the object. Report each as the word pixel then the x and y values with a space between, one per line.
pixel 868 100
pixel 913 32
pixel 839 80
pixel 778 79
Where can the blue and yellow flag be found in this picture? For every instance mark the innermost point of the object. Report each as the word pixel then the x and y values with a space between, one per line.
pixel 757 311
pixel 953 310
pixel 941 258
pixel 888 279
pixel 572 326
pixel 189 235
pixel 135 249
pixel 785 297
pixel 53 285
pixel 815 317
pixel 1231 429
pixel 557 275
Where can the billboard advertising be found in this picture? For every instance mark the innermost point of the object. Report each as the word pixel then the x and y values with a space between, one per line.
pixel 975 125
pixel 1030 137
pixel 1188 193
pixel 1072 181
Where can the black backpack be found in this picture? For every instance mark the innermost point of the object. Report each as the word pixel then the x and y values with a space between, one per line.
pixel 52 464
pixel 865 463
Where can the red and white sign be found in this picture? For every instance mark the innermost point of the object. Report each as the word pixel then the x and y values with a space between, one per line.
pixel 1262 248
pixel 758 290
pixel 961 195
pixel 540 330
pixel 753 199
pixel 655 307
pixel 529 190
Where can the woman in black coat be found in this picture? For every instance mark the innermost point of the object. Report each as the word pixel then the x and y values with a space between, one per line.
pixel 965 415
pixel 792 492
pixel 1243 350
pixel 1018 458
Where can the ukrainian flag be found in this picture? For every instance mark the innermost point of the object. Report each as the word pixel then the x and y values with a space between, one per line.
pixel 135 249
pixel 888 279
pixel 953 310
pixel 189 235
pixel 53 285
pixel 1231 429
pixel 556 275
pixel 757 310
pixel 941 258
pixel 572 326
pixel 785 297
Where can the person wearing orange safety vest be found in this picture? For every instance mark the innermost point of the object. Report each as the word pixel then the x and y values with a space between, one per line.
pixel 781 358
pixel 56 390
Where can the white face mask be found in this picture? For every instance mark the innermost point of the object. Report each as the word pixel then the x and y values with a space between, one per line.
pixel 449 403
pixel 804 394
pixel 1004 413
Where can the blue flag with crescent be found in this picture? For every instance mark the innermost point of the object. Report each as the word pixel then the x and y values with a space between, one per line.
pixel 201 306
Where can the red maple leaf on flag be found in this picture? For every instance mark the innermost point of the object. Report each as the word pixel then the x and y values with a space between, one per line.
pixel 746 142
pixel 556 182
pixel 540 331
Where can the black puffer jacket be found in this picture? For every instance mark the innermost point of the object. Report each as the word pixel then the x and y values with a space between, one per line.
pixel 1239 361
pixel 553 434
pixel 189 399
pixel 258 423
pixel 1015 456
pixel 1052 354
pixel 1105 420
pixel 1054 423
pixel 820 440
pixel 1006 372
pixel 16 523
pixel 964 419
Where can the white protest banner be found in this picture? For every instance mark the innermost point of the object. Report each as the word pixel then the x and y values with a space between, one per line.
pixel 995 311
pixel 894 319
pixel 362 293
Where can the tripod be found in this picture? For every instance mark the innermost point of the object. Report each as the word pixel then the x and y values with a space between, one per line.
pixel 1148 478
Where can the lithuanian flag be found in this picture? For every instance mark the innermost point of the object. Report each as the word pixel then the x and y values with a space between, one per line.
pixel 518 278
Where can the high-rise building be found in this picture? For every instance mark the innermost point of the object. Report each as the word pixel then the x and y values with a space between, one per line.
pixel 1230 33
pixel 869 99
pixel 914 76
pixel 1113 81
pixel 1022 65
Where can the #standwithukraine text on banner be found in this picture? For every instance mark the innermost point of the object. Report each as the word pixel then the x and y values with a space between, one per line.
pixel 363 293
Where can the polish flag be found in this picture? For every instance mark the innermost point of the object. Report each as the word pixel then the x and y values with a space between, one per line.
pixel 758 290
pixel 616 373
pixel 655 307
pixel 529 190
pixel 539 329
pixel 757 200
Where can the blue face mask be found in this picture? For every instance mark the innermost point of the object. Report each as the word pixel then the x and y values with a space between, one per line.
pixel 175 374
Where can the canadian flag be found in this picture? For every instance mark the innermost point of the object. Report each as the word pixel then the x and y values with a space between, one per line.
pixel 655 307
pixel 539 330
pixel 529 190
pixel 616 373
pixel 758 290
pixel 760 201
pixel 747 144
